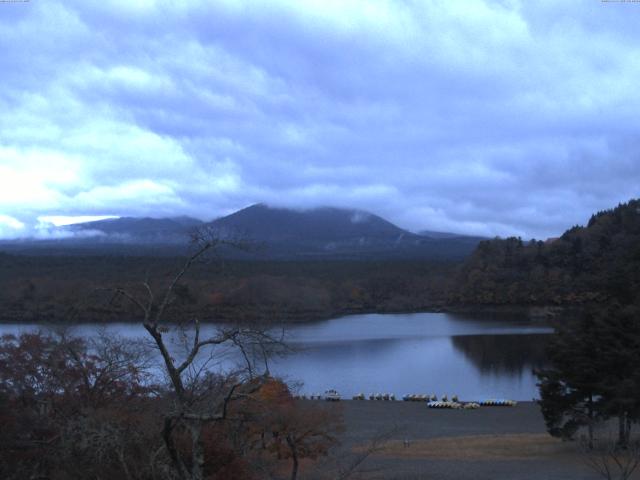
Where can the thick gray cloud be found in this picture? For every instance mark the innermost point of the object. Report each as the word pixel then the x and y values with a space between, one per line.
pixel 476 116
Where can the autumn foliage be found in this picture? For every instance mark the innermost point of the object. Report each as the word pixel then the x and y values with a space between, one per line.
pixel 75 409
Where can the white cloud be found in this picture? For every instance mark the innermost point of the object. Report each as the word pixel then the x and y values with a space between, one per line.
pixel 128 195
pixel 487 116
pixel 10 227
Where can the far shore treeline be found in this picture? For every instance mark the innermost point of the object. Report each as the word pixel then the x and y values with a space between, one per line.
pixel 587 265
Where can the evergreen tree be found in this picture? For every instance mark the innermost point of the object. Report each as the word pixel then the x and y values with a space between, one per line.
pixel 618 331
pixel 593 374
pixel 570 390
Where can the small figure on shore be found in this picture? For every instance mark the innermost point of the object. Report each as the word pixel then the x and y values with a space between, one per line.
pixel 407 443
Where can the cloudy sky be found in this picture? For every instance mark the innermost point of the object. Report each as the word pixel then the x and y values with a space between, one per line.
pixel 477 116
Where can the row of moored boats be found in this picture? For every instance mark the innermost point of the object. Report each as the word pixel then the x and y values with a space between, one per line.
pixel 431 400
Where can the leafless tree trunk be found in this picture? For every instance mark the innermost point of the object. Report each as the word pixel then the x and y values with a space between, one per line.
pixel 294 457
pixel 193 408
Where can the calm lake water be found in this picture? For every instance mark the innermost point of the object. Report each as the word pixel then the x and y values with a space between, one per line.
pixel 474 357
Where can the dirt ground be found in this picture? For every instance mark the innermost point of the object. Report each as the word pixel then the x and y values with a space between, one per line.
pixel 485 444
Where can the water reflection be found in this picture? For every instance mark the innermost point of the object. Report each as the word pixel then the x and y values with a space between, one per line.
pixel 432 353
pixel 435 365
pixel 498 354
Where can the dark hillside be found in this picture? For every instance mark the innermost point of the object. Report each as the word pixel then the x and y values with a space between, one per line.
pixel 323 224
pixel 596 263
pixel 335 233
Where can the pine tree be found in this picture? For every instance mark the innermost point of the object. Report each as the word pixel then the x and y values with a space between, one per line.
pixel 593 374
pixel 618 330
pixel 570 390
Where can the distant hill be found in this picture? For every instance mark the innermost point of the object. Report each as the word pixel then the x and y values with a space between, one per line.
pixel 319 225
pixel 114 236
pixel 139 230
pixel 333 233
pixel 275 233
pixel 595 263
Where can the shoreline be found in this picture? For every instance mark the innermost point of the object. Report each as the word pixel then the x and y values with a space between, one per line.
pixel 533 313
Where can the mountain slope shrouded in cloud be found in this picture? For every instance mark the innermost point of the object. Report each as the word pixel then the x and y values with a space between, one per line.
pixel 334 232
pixel 320 224
pixel 273 233
pixel 140 230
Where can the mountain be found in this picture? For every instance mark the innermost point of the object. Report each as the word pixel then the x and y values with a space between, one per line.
pixel 114 236
pixel 320 226
pixel 333 233
pixel 272 233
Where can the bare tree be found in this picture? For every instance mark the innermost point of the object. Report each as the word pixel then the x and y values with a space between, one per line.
pixel 610 460
pixel 199 398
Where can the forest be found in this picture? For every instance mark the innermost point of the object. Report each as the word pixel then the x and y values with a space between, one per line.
pixel 59 289
pixel 595 264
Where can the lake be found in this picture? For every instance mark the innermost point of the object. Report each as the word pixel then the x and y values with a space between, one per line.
pixel 472 356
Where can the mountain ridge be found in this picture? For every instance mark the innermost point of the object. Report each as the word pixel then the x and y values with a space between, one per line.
pixel 280 233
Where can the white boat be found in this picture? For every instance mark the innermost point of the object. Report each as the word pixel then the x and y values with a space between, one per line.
pixel 331 395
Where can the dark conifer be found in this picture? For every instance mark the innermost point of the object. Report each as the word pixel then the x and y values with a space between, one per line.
pixel 570 390
pixel 593 374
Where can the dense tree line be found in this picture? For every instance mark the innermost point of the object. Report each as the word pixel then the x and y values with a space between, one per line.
pixel 595 264
pixel 44 288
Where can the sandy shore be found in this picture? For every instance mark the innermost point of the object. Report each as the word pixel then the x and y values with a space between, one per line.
pixel 485 444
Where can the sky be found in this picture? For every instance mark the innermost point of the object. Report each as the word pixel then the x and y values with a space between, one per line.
pixel 501 117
